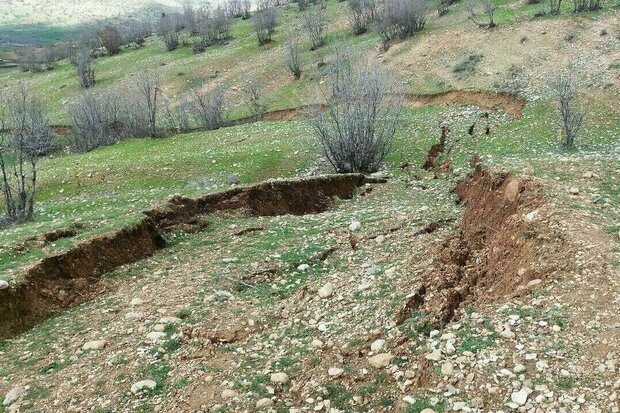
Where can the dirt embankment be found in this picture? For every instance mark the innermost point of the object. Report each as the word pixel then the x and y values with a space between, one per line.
pixel 498 252
pixel 513 105
pixel 71 278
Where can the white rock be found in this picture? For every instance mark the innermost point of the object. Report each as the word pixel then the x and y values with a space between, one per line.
pixel 447 368
pixel 134 315
pixel 229 394
pixel 303 267
pixel 170 320
pixel 506 333
pixel 573 191
pixel 354 226
pixel 531 216
pixel 534 283
pixel 156 335
pixel 3 285
pixel 12 396
pixel 435 355
pixel 279 378
pixel 94 345
pixel 143 385
pixel 520 397
pixel 377 345
pixel 326 291
pixel 409 400
pixel 380 360
pixel 518 368
pixel 135 302
pixel 316 343
pixel 264 403
pixel 428 410
pixel 335 371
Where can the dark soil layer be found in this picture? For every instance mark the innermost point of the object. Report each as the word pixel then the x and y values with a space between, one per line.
pixel 71 278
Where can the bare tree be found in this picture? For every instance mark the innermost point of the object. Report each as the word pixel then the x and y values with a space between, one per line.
pixel 571 116
pixel 49 56
pixel 292 59
pixel 265 21
pixel 362 14
pixel 110 39
pixel 84 66
pixel 208 108
pixel 142 107
pixel 28 60
pixel 167 30
pixel 362 116
pixel 212 26
pixel 481 8
pixel 254 99
pixel 314 23
pixel 24 139
pixel 95 121
pixel 401 18
pixel 188 17
pixel 555 6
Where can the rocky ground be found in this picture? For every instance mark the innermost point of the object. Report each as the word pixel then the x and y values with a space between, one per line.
pixel 302 313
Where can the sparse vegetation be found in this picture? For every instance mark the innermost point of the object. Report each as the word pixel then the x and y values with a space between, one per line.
pixel 571 116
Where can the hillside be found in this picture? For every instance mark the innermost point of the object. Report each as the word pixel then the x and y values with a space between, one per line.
pixel 161 274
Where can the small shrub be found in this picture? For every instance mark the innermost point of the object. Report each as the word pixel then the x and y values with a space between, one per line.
pixel 570 115
pixel 110 39
pixel 208 108
pixel 84 66
pixel 363 113
pixel 254 100
pixel 481 9
pixel 292 60
pixel 468 65
pixel 314 24
pixel 95 121
pixel 265 21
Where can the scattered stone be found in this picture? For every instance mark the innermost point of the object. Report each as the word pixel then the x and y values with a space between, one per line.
pixel 12 396
pixel 377 345
pixel 354 226
pixel 94 345
pixel 518 368
pixel 156 335
pixel 534 283
pixel 428 410
pixel 264 403
pixel 279 378
pixel 170 320
pixel 326 291
pixel 335 371
pixel 3 285
pixel 435 355
pixel 135 302
pixel 588 174
pixel 229 394
pixel 142 386
pixel 381 360
pixel 520 397
pixel 233 180
pixel 409 400
pixel 223 295
pixel 303 267
pixel 447 368
pixel 573 191
pixel 531 216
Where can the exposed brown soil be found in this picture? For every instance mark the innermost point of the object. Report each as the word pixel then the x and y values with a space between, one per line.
pixel 495 254
pixel 71 278
pixel 513 105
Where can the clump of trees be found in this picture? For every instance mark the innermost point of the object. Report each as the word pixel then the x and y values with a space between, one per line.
pixel 168 31
pixel 482 12
pixel 401 19
pixel 265 21
pixel 571 115
pixel 362 116
pixel 24 139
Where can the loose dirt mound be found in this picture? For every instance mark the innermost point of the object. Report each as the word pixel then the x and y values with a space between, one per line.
pixel 484 99
pixel 71 278
pixel 496 253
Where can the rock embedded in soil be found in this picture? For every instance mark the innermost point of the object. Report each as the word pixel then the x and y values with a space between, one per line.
pixel 335 371
pixel 520 397
pixel 143 385
pixel 155 335
pixel 279 378
pixel 303 267
pixel 264 403
pixel 354 226
pixel 12 396
pixel 135 302
pixel 435 355
pixel 94 345
pixel 377 345
pixel 381 360
pixel 3 285
pixel 326 291
pixel 229 394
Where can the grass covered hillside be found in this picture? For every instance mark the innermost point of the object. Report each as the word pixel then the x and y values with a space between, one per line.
pixel 477 272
